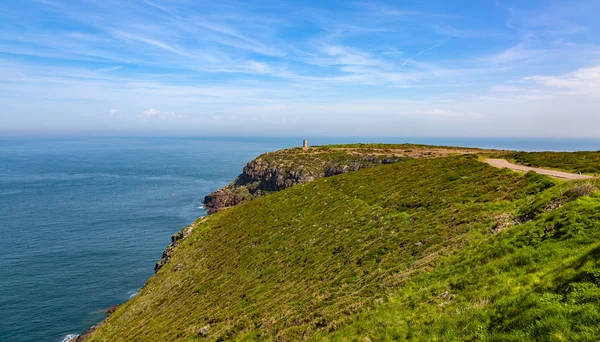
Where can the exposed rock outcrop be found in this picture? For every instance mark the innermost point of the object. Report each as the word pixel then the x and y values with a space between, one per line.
pixel 280 170
pixel 175 240
pixel 87 333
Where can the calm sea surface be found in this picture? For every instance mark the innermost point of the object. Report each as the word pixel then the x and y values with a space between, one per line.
pixel 83 220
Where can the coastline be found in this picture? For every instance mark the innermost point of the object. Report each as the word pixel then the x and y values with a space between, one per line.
pixel 276 178
pixel 83 336
pixel 175 239
pixel 272 177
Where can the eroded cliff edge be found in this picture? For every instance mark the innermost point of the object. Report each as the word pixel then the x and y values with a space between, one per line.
pixel 279 170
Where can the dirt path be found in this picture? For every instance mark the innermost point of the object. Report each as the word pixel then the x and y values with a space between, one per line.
pixel 503 163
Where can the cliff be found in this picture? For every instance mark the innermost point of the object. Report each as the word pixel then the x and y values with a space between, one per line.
pixel 284 169
pixel 444 248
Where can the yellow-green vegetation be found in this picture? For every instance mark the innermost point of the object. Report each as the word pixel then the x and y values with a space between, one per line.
pixel 317 159
pixel 279 170
pixel 425 249
pixel 392 147
pixel 584 162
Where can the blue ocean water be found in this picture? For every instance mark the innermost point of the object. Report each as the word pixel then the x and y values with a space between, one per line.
pixel 83 220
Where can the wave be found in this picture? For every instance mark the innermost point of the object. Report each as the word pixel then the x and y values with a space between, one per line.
pixel 55 176
pixel 10 178
pixel 69 337
pixel 10 192
pixel 132 294
pixel 172 178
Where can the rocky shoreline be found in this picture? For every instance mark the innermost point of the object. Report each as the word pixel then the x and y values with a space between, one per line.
pixel 87 333
pixel 175 240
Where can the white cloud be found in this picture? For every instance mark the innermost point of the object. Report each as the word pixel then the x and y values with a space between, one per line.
pixel 581 83
pixel 343 55
pixel 152 113
pixel 585 81
pixel 212 65
pixel 259 67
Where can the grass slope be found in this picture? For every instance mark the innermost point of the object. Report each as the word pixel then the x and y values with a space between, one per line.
pixel 317 159
pixel 279 170
pixel 584 162
pixel 444 249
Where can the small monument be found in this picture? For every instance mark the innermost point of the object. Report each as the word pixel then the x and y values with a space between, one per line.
pixel 304 144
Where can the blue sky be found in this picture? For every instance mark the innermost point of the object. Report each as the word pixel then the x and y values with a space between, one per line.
pixel 404 68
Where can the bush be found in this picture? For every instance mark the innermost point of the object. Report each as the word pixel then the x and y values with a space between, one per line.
pixel 581 189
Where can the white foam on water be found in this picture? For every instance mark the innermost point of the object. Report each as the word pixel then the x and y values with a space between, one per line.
pixel 132 294
pixel 69 337
pixel 201 206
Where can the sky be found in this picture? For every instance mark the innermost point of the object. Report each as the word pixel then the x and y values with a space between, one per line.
pixel 501 68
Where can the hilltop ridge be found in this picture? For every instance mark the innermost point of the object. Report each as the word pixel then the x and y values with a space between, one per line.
pixel 279 170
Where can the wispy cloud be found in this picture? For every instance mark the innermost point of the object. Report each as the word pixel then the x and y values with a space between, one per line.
pixel 238 63
pixel 453 32
pixel 523 51
pixel 343 55
pixel 424 51
pixel 151 42
pixel 585 81
pixel 109 69
pixel 553 20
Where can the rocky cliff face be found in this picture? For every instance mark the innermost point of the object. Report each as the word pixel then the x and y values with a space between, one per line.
pixel 175 240
pixel 280 170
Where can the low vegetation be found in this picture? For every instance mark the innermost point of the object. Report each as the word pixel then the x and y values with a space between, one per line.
pixel 536 281
pixel 393 147
pixel 426 249
pixel 576 162
pixel 318 159
pixel 275 171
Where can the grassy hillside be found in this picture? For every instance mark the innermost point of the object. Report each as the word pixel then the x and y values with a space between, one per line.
pixel 279 170
pixel 584 162
pixel 538 280
pixel 438 249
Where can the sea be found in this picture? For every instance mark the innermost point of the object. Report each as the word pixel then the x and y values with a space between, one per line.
pixel 83 220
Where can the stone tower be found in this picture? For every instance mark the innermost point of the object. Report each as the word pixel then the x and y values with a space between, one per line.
pixel 304 144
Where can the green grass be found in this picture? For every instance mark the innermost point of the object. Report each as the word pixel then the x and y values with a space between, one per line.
pixel 278 170
pixel 418 250
pixel 584 162
pixel 391 146
pixel 535 281
pixel 316 160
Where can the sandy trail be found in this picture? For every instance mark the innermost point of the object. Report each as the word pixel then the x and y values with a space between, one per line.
pixel 503 163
